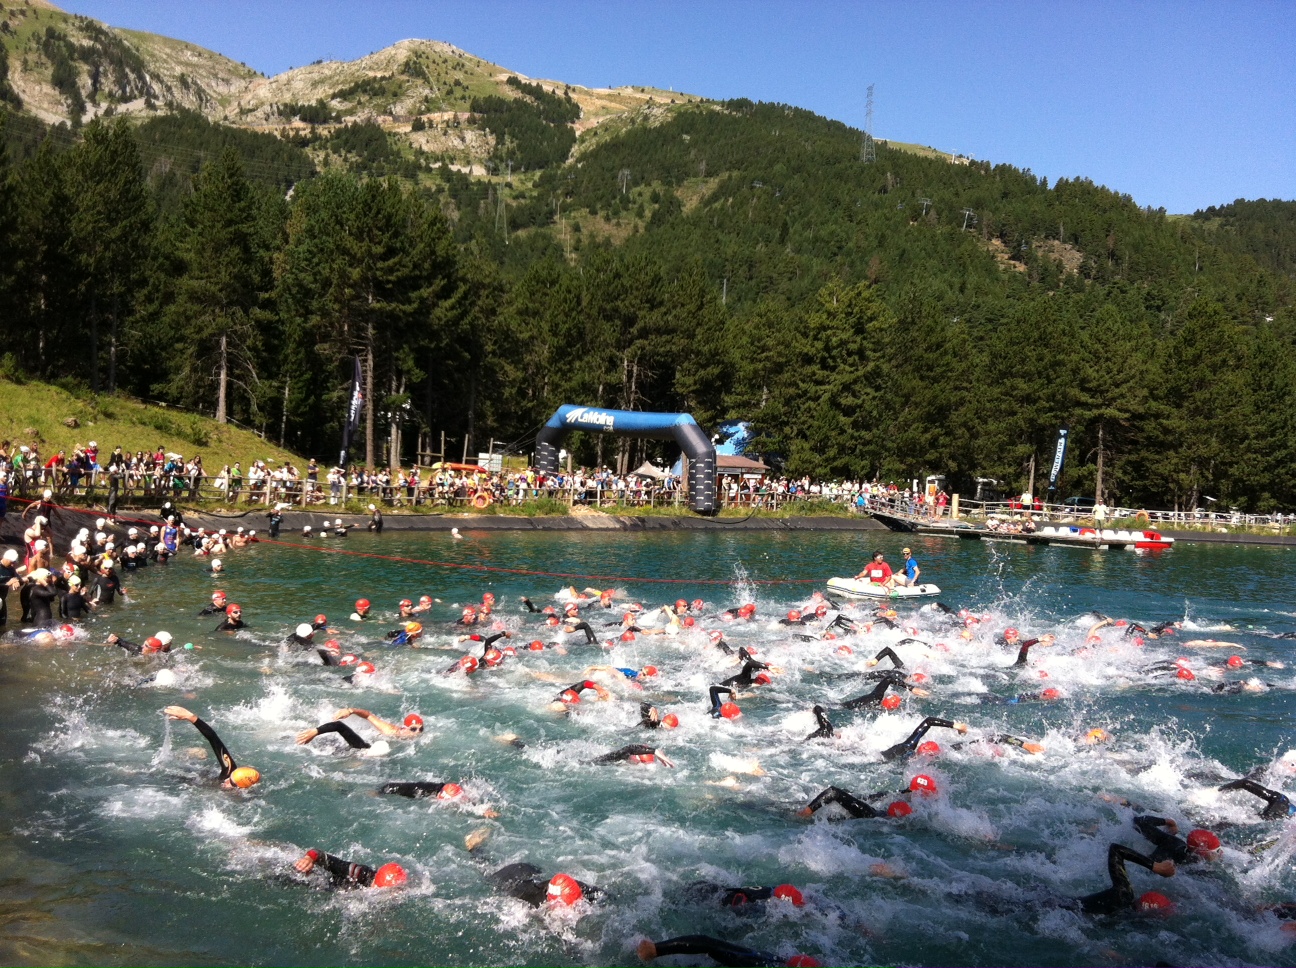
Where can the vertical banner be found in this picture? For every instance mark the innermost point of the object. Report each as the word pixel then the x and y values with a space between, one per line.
pixel 1058 458
pixel 353 415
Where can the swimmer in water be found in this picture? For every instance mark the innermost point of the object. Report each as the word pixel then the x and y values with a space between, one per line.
pixel 526 883
pixel 860 809
pixel 346 874
pixel 231 775
pixel 753 674
pixel 706 892
pixel 717 707
pixel 890 678
pixel 632 753
pixel 1277 805
pixel 217 606
pixel 1024 648
pixel 650 717
pixel 411 728
pixel 825 730
pixel 1120 896
pixel 1048 695
pixel 72 603
pixel 1164 835
pixel 407 634
pixel 361 612
pixel 888 653
pixel 721 952
pixel 233 619
pixel 572 694
pixel 302 637
pixel 909 746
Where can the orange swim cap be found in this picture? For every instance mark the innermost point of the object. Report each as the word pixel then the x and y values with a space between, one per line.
pixel 390 875
pixel 730 710
pixel 563 889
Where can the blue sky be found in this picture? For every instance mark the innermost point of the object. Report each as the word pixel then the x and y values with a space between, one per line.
pixel 1179 104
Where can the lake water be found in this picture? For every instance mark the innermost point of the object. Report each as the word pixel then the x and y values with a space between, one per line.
pixel 118 848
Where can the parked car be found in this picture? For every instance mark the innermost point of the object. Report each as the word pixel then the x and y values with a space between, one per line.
pixel 1079 504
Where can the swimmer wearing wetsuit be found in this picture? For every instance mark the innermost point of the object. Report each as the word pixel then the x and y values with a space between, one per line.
pixel 1163 833
pixel 846 800
pixel 887 653
pixel 231 774
pixel 1024 650
pixel 1120 896
pixel 526 883
pixel 721 952
pixel 889 678
pixel 910 745
pixel 716 692
pixel 72 603
pixel 1277 805
pixel 422 790
pixel 632 753
pixel 825 730
pixel 701 892
pixel 217 606
pixel 233 620
pixel 345 874
pixel 748 676
pixel 573 692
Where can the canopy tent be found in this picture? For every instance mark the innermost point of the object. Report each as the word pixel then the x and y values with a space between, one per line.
pixel 647 470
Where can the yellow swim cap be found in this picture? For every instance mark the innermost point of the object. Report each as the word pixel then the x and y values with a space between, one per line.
pixel 244 777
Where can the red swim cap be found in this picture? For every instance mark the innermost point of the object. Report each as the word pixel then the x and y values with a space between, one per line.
pixel 361 603
pixel 367 668
pixel 1157 903
pixel 1185 673
pixel 1011 632
pixel 762 679
pixel 891 702
pixel 923 784
pixel 218 596
pixel 390 875
pixel 413 719
pixel 1203 841
pixel 551 621
pixel 468 664
pixel 681 605
pixel 1235 662
pixel 569 696
pixel 321 620
pixel 730 710
pixel 488 596
pixel 406 603
pixel 928 748
pixel 627 636
pixel 688 621
pixel 844 649
pixel 152 644
pixel 233 608
pixel 563 889
pixel 715 635
pixel 1050 693
pixel 425 599
pixel 919 677
pixel 802 961
pixel 348 660
pixel 536 646
pixel 334 646
pixel 821 610
pixel 449 791
pixel 698 604
pixel 794 616
pixel 644 758
pixel 649 670
pixel 789 893
pixel 747 610
pixel 899 809
pixel 670 721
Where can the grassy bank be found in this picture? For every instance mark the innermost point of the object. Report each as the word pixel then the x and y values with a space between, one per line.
pixel 37 413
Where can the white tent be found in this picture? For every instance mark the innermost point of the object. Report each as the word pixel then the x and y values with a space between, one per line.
pixel 647 470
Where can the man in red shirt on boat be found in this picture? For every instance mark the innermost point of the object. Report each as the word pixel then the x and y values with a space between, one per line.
pixel 878 572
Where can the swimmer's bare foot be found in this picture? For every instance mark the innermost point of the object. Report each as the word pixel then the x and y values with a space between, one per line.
pixel 476 838
pixel 886 870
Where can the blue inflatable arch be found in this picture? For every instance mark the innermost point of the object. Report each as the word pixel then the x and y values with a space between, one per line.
pixel 681 427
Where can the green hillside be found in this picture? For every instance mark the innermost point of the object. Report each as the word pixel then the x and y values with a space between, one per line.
pixel 32 413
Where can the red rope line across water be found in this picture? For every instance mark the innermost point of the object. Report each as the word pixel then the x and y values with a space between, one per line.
pixel 460 566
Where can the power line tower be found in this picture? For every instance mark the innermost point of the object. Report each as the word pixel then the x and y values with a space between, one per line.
pixel 925 203
pixel 968 216
pixel 868 150
pixel 623 179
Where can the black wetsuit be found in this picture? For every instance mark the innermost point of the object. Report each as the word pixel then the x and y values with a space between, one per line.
pixel 230 624
pixel 825 730
pixel 590 637
pixel 889 677
pixel 747 676
pixel 574 690
pixel 706 892
pixel 276 519
pixel 1168 846
pixel 415 790
pixel 1024 651
pixel 1234 688
pixel 846 800
pixel 299 642
pixel 1120 896
pixel 42 604
pixel 346 732
pixel 646 718
pixel 7 574
pixel 105 588
pixel 721 952
pixel 887 653
pixel 623 754
pixel 376 522
pixel 72 605
pixel 213 609
pixel 530 606
pixel 723 646
pixel 526 883
pixel 345 874
pixel 222 752
pixel 1278 806
pixel 908 747
pixel 715 692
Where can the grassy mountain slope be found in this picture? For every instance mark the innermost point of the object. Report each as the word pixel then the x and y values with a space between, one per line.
pixel 35 412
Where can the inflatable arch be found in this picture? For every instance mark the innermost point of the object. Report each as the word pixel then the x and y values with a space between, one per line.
pixel 681 427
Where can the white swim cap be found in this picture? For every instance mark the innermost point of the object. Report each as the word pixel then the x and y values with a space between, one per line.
pixel 101 523
pixel 40 544
pixel 305 629
pixel 9 555
pixel 163 637
pixel 216 564
pixel 47 494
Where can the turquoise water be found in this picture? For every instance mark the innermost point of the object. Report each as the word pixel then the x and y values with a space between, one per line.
pixel 119 849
